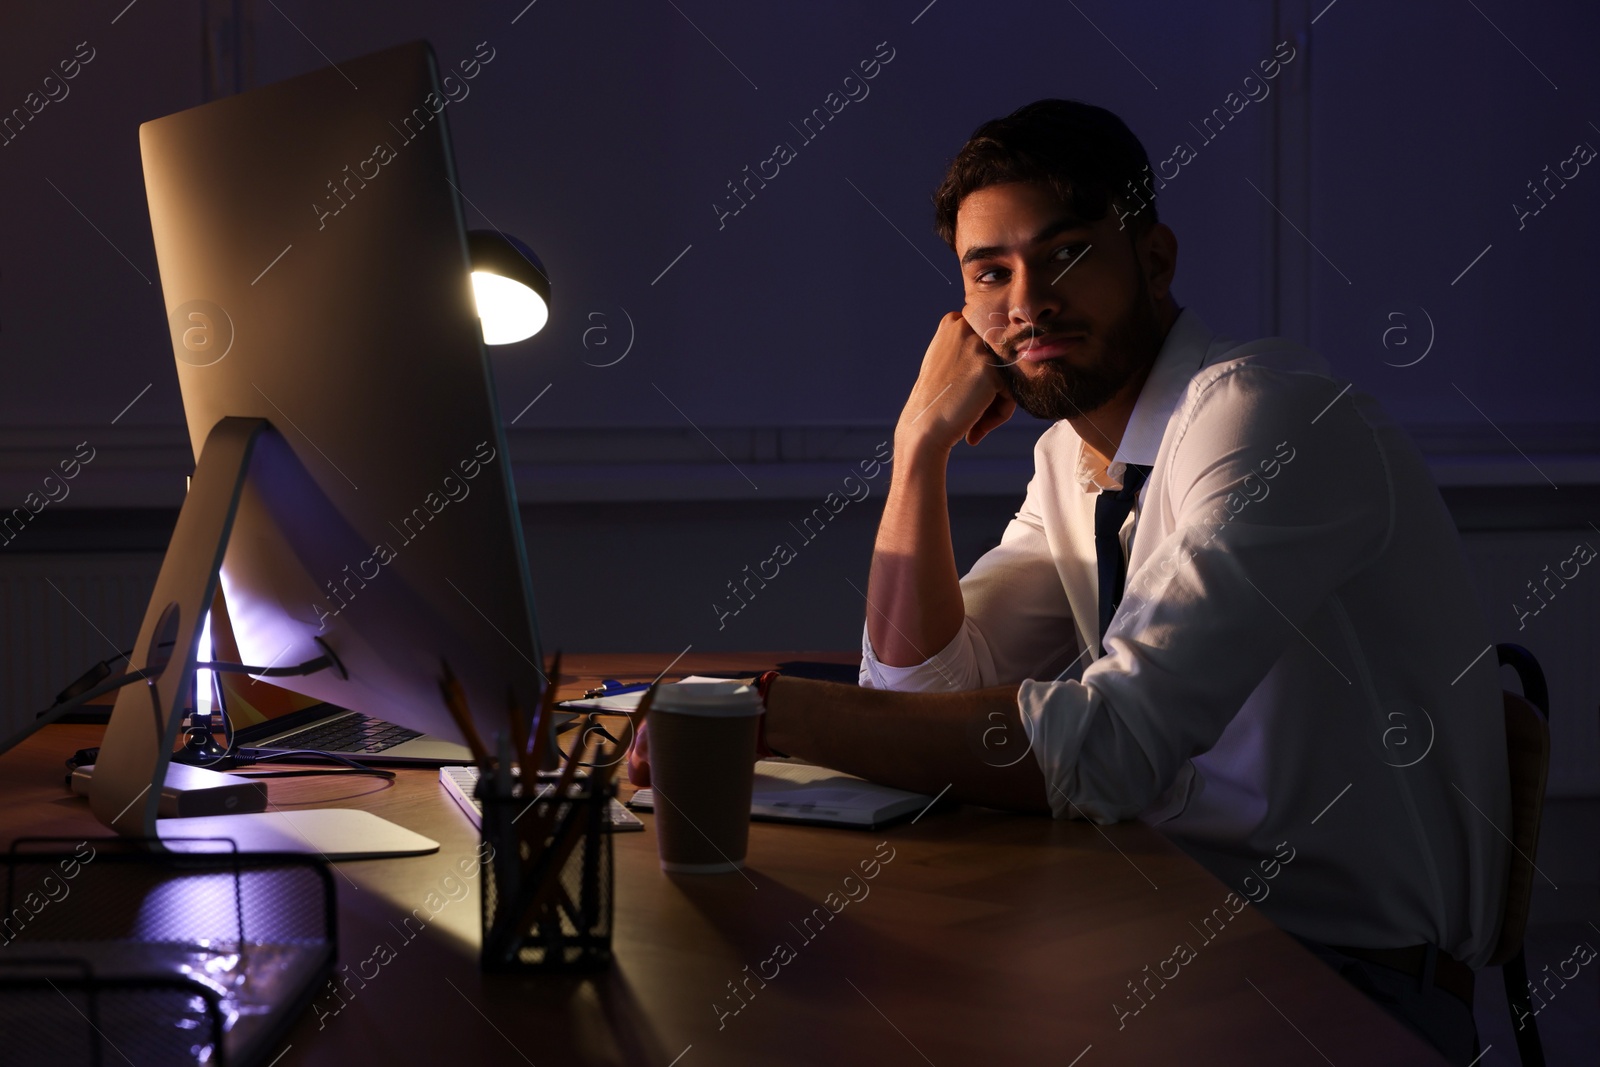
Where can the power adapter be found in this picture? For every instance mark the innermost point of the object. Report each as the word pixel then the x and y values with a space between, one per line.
pixel 194 791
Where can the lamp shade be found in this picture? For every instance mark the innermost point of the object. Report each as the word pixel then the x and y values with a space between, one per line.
pixel 510 285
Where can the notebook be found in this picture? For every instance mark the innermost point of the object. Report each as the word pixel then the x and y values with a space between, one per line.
pixel 628 702
pixel 791 791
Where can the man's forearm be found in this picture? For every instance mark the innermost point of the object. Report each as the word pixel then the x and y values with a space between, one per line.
pixel 914 605
pixel 971 742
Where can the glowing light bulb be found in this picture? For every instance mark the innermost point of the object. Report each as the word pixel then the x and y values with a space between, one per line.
pixel 509 310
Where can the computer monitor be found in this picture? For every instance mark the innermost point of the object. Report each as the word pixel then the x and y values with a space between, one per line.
pixel 352 489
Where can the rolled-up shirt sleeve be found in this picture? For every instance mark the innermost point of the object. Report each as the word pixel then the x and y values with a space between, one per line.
pixel 1247 564
pixel 1018 621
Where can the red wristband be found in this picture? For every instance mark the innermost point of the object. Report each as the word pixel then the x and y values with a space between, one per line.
pixel 763 684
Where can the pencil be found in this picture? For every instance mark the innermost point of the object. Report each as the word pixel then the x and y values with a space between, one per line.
pixel 554 859
pixel 538 897
pixel 543 725
pixel 519 738
pixel 570 769
pixel 542 826
pixel 456 702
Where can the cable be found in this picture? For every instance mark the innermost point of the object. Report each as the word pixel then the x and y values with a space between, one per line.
pixel 310 666
pixel 590 724
pixel 245 758
pixel 352 766
pixel 91 677
pixel 55 711
pixel 231 756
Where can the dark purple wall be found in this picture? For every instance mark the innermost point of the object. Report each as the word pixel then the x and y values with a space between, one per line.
pixel 604 133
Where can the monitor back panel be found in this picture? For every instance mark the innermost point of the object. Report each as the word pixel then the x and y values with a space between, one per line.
pixel 314 267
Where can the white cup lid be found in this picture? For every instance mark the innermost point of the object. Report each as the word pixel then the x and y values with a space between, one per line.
pixel 717 699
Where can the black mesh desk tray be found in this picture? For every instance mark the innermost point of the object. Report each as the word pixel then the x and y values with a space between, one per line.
pixel 112 953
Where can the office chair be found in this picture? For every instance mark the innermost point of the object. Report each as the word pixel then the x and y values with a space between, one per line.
pixel 1528 752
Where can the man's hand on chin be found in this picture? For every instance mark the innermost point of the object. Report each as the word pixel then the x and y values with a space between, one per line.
pixel 959 394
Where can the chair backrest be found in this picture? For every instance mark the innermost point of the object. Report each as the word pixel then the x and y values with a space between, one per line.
pixel 1528 755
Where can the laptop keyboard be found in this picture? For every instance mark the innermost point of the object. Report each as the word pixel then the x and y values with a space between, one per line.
pixel 350 733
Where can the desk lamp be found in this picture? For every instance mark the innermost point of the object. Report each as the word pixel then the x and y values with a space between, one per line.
pixel 510 285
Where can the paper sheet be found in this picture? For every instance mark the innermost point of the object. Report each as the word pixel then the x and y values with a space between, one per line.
pixel 624 701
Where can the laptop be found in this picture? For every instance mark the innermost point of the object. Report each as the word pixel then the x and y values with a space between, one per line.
pixel 328 728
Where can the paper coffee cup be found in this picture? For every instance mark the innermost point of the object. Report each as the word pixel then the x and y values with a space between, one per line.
pixel 702 769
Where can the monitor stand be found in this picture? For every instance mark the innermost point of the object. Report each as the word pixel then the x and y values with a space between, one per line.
pixel 132 764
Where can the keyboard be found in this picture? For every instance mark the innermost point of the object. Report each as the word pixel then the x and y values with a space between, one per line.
pixel 460 782
pixel 351 733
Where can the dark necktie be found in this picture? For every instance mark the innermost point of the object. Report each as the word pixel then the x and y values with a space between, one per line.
pixel 1110 512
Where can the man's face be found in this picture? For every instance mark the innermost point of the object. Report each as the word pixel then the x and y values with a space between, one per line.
pixel 1064 303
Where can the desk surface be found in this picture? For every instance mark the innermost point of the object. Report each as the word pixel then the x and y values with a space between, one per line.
pixel 985 938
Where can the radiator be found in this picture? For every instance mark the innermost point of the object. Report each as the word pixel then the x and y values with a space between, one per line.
pixel 59 615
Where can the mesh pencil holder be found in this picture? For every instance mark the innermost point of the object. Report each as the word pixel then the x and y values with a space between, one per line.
pixel 547 885
pixel 113 951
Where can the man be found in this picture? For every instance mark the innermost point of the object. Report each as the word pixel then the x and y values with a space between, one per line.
pixel 1232 604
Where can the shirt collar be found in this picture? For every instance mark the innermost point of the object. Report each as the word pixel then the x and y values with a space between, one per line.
pixel 1182 354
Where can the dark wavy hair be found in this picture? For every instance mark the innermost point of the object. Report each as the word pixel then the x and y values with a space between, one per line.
pixel 1086 154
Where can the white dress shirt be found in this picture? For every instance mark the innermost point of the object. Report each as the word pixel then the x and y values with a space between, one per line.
pixel 1300 664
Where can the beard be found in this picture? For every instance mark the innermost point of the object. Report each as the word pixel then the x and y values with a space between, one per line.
pixel 1058 390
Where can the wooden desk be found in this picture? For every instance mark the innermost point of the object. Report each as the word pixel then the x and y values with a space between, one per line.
pixel 987 938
